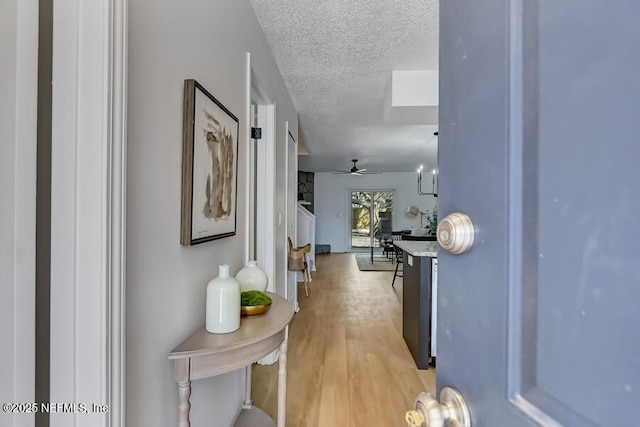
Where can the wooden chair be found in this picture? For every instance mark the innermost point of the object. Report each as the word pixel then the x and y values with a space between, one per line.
pixel 298 262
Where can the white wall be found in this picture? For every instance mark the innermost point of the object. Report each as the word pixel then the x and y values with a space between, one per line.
pixel 18 114
pixel 170 41
pixel 332 203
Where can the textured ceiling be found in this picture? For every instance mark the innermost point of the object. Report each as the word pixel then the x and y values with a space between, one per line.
pixel 336 57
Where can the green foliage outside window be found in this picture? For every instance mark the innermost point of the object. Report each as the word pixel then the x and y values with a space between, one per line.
pixel 432 219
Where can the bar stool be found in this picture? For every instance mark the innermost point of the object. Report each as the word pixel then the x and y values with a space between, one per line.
pixel 298 262
pixel 398 256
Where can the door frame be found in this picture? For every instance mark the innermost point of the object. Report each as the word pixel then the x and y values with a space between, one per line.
pixel 262 191
pixel 291 215
pixel 88 209
pixel 18 129
pixel 261 196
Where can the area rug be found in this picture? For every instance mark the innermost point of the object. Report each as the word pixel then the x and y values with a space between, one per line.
pixel 380 263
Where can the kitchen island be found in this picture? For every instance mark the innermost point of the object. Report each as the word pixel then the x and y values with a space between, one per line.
pixel 419 299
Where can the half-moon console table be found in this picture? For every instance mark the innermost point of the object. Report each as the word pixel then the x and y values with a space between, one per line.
pixel 204 355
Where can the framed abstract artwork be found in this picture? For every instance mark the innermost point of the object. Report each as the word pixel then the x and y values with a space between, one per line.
pixel 209 168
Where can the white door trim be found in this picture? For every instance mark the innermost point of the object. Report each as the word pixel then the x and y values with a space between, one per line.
pixel 265 202
pixel 116 218
pixel 18 125
pixel 88 210
pixel 249 250
pixel 265 193
pixel 291 216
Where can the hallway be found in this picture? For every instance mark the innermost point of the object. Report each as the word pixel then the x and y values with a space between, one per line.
pixel 347 362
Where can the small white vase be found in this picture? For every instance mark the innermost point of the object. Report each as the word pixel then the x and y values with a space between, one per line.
pixel 252 278
pixel 223 303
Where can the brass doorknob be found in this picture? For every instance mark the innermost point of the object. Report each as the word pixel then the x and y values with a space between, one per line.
pixel 452 411
pixel 456 233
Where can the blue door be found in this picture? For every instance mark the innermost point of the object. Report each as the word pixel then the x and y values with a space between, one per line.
pixel 539 144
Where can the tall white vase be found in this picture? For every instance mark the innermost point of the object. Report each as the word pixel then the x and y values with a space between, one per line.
pixel 252 277
pixel 223 303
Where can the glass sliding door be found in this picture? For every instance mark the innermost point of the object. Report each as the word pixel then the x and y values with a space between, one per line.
pixel 360 219
pixel 371 217
pixel 382 215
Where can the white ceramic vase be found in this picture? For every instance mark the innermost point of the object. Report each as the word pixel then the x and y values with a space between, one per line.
pixel 223 303
pixel 252 278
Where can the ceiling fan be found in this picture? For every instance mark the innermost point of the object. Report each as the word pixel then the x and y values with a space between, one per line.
pixel 355 171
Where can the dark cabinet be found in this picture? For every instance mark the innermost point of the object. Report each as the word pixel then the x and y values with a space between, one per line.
pixel 418 294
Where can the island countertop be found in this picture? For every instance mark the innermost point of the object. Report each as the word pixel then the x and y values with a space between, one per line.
pixel 418 247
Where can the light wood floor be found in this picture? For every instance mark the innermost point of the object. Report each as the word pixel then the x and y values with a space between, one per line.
pixel 347 362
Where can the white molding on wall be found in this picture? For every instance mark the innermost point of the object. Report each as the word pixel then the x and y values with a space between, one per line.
pixel 266 221
pixel 291 211
pixel 18 133
pixel 248 166
pixel 116 376
pixel 265 186
pixel 88 211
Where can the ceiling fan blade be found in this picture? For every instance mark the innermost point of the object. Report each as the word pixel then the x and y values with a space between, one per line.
pixel 355 171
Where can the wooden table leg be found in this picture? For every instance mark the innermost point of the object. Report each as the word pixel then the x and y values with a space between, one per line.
pixel 248 402
pixel 182 375
pixel 282 380
pixel 184 406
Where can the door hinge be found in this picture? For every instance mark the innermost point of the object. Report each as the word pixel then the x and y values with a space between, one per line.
pixel 256 133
